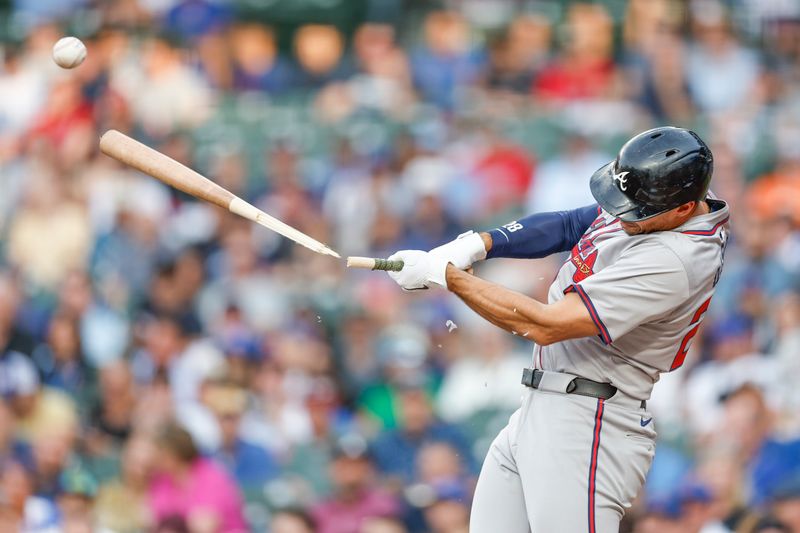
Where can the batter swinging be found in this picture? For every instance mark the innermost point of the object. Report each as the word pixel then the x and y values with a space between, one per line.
pixel 624 307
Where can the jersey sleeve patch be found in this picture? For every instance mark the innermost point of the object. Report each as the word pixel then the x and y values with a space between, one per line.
pixel 604 335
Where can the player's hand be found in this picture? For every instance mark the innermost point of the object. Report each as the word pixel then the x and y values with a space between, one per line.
pixel 462 251
pixel 421 270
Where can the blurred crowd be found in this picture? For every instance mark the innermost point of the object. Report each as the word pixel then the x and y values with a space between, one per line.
pixel 169 367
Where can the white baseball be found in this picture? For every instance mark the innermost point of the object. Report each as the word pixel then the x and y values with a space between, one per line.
pixel 69 52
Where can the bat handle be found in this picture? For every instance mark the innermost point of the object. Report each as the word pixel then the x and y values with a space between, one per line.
pixel 375 263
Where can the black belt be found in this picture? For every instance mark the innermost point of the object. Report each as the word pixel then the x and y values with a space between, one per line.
pixel 585 387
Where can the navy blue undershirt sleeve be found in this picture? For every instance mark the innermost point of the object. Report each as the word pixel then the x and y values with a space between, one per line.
pixel 541 234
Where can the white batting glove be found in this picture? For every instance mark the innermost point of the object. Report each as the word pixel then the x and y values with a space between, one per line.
pixel 462 251
pixel 421 270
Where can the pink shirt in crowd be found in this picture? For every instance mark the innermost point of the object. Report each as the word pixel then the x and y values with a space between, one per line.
pixel 207 488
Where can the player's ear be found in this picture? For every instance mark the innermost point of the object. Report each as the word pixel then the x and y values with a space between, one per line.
pixel 686 209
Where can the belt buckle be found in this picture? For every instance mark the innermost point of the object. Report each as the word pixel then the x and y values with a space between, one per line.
pixel 527 377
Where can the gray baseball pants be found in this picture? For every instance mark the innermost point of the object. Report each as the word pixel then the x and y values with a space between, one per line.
pixel 564 464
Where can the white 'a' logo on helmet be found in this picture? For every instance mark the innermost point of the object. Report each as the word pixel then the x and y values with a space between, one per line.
pixel 622 178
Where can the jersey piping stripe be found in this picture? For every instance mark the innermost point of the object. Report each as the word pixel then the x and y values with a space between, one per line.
pixel 598 425
pixel 707 232
pixel 604 336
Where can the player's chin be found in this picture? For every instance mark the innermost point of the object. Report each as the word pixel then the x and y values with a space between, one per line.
pixel 631 228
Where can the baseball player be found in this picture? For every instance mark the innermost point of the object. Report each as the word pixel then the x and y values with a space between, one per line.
pixel 623 308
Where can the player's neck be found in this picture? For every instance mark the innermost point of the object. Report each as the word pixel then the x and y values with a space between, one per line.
pixel 702 208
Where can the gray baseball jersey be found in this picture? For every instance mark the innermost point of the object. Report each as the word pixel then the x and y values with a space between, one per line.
pixel 647 295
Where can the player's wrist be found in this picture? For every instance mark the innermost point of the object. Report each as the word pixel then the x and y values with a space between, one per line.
pixel 463 251
pixel 437 270
pixel 451 273
pixel 473 246
pixel 487 242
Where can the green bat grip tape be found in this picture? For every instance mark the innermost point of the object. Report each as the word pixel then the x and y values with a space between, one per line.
pixel 385 264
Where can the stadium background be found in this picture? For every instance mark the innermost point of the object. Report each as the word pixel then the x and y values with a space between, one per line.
pixel 313 394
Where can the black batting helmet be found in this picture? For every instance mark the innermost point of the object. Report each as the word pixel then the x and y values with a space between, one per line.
pixel 655 171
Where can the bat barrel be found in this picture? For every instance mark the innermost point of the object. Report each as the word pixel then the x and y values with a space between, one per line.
pixel 145 159
pixel 152 162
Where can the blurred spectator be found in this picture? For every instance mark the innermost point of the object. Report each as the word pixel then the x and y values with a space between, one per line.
pixel 173 350
pixel 559 183
pixel 657 520
pixel 195 18
pixel 166 94
pixel 439 497
pixel 122 503
pixel 350 198
pixel 320 53
pixel 753 278
pixel 382 525
pixel 488 366
pixel 22 93
pixel 585 69
pixel 292 520
pixel 12 449
pixel 250 465
pixel 381 81
pixel 355 495
pixel 329 422
pixel 776 194
pixel 449 510
pixel 384 81
pixel 50 234
pixel 76 499
pixel 662 87
pixel 786 349
pixel 721 472
pixel 52 454
pixel 111 421
pixel 104 332
pixel 113 417
pixel 439 463
pixel 517 56
pixel 257 65
pixel 42 412
pixel 20 378
pixel 432 225
pixel 721 73
pixel 786 505
pixel 359 364
pixel 401 352
pixel 242 348
pixel 65 124
pixel 697 509
pixel 396 450
pixel 62 365
pixel 21 509
pixel 504 173
pixel 749 429
pixel 734 362
pixel 123 259
pixel 191 487
pixel 447 63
